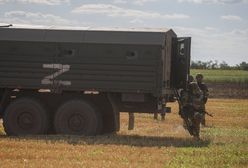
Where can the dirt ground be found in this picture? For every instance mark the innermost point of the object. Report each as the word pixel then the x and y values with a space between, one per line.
pixel 228 90
pixel 153 143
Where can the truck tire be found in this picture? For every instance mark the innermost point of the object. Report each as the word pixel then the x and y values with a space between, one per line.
pixel 99 123
pixel 77 117
pixel 25 116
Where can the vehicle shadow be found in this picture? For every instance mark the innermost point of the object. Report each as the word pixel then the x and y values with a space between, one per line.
pixel 116 139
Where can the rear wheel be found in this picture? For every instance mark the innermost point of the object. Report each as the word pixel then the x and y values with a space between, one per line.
pixel 25 116
pixel 77 117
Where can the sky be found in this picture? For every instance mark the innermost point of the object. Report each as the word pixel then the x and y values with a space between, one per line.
pixel 219 28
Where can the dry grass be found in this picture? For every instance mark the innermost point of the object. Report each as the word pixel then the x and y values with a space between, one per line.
pixel 223 76
pixel 151 144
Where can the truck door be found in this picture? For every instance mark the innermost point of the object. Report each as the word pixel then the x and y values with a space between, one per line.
pixel 180 61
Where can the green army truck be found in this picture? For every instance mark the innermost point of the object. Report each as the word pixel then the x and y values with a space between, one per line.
pixel 77 81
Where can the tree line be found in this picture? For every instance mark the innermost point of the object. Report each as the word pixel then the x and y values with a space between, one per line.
pixel 218 65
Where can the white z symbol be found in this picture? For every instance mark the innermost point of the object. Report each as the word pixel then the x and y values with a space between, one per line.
pixel 49 80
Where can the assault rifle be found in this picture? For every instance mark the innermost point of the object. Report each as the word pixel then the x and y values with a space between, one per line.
pixel 211 115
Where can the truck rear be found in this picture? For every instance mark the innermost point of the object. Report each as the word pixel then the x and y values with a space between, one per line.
pixel 78 81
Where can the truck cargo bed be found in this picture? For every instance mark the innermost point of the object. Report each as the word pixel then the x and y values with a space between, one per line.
pixel 107 61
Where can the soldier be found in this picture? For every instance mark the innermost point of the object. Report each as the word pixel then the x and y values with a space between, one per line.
pixel 191 107
pixel 194 109
pixel 204 89
pixel 196 113
pixel 185 103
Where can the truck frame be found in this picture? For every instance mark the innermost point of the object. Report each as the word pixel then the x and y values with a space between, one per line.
pixel 77 81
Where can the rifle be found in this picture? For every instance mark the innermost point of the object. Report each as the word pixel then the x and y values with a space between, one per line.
pixel 177 97
pixel 211 115
pixel 178 100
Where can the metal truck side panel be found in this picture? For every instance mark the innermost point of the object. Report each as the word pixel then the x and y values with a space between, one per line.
pixel 105 60
pixel 103 67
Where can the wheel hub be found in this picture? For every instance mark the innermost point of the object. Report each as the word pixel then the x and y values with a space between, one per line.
pixel 25 120
pixel 76 122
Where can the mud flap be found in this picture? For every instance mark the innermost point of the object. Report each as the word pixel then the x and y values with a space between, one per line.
pixel 116 112
pixel 117 120
pixel 130 121
pixel 4 100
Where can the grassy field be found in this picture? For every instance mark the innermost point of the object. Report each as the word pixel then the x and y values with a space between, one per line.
pixel 151 144
pixel 222 75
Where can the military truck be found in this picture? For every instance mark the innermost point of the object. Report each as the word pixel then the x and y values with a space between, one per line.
pixel 77 81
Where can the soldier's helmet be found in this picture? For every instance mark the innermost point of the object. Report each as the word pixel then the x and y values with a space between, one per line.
pixel 199 76
pixel 191 78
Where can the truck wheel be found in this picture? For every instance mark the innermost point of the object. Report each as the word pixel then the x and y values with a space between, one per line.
pixel 76 117
pixel 99 123
pixel 25 116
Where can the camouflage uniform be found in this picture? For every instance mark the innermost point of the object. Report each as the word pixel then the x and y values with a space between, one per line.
pixel 196 96
pixel 185 96
pixel 204 89
pixel 192 108
pixel 192 96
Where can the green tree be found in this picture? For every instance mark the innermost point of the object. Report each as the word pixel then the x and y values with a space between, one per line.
pixel 243 66
pixel 224 65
